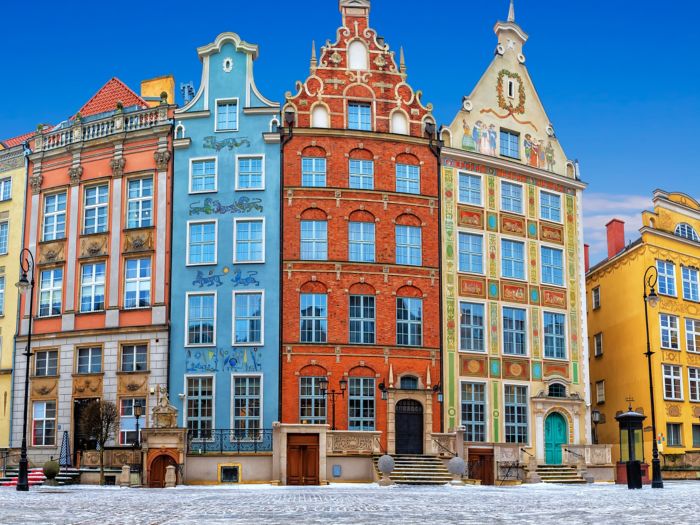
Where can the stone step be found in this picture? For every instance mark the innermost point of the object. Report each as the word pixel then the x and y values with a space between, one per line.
pixel 417 470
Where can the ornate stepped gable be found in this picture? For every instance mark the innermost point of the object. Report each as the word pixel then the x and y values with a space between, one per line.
pixel 505 99
pixel 358 66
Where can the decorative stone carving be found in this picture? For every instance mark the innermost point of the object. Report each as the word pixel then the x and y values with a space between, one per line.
pixel 117 165
pixel 87 386
pixel 673 410
pixel 35 182
pixel 44 387
pixel 351 442
pixel 74 174
pixel 93 245
pixel 164 414
pixel 162 158
pixel 133 384
pixel 52 252
pixel 138 240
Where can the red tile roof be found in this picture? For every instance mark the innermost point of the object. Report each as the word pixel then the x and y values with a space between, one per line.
pixel 16 141
pixel 107 97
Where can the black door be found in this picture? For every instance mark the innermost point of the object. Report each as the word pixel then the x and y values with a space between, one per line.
pixel 81 440
pixel 409 427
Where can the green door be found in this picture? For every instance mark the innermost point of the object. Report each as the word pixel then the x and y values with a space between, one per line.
pixel 554 437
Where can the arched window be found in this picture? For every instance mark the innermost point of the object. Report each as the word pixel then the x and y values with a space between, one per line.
pixel 556 390
pixel 409 383
pixel 319 117
pixel 399 123
pixel 357 55
pixel 686 230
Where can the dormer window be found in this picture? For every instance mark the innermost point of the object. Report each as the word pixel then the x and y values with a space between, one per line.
pixel 686 230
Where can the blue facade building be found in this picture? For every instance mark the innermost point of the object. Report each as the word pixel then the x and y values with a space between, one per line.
pixel 224 351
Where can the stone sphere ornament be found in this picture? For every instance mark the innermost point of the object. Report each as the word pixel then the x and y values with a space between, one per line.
pixel 51 470
pixel 386 464
pixel 456 467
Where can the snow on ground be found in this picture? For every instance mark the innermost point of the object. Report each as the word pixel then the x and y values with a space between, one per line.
pixel 677 503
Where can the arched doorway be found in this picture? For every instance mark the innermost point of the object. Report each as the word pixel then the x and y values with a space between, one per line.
pixel 555 435
pixel 156 476
pixel 409 427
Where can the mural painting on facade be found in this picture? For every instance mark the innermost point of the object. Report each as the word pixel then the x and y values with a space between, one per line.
pixel 212 278
pixel 230 144
pixel 481 138
pixel 223 360
pixel 214 206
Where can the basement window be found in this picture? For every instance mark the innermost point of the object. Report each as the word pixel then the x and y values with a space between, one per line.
pixel 229 473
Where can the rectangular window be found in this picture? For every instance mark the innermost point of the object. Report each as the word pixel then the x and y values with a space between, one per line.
pixel 598 344
pixel 470 189
pixel 201 242
pixel 92 287
pixel 600 392
pixel 359 116
pixel 552 266
pixel 362 319
pixel 514 334
pixel 696 436
pixel 512 259
pixel 314 240
pixel 313 172
pixel 673 388
pixel 2 295
pixel 408 245
pixel 669 331
pixel 554 335
pixel 361 240
pixel 692 335
pixel 361 403
pixel 248 318
pixel 511 197
pixel 54 217
pixel 127 419
pixel 137 283
pixel 226 115
pixel 201 319
pixel 407 178
pixel 50 292
pixel 550 206
pixel 44 423
pixel 134 358
pixel 313 317
pixel 474 412
pixel 249 237
pixel 200 406
pixel 409 321
pixel 203 175
pixel 471 253
pixel 674 433
pixel 4 233
pixel 247 413
pixel 46 363
pixel 471 327
pixel 510 144
pixel 90 360
pixel 596 297
pixel 96 201
pixel 667 278
pixel 516 414
pixel 690 283
pixel 694 383
pixel 250 173
pixel 312 403
pixel 362 174
pixel 139 203
pixel 6 189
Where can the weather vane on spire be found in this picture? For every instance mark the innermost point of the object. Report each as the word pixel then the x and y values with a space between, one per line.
pixel 511 12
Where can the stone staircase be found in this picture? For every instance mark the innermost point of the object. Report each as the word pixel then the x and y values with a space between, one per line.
pixel 417 470
pixel 559 474
pixel 66 476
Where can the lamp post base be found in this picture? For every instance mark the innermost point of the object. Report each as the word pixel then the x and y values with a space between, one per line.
pixel 23 476
pixel 656 481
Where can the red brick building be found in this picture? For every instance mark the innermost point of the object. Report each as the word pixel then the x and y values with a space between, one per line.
pixel 360 237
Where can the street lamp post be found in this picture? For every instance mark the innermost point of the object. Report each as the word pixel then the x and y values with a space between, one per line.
pixel 596 416
pixel 651 299
pixel 138 412
pixel 26 261
pixel 323 385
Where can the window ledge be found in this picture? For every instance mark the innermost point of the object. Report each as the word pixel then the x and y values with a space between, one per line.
pixel 126 373
pixel 87 374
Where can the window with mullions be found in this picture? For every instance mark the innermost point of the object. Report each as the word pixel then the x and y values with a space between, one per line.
pixel 669 331
pixel 470 189
pixel 226 115
pixel 692 335
pixel 46 363
pixel 6 189
pixel 407 178
pixel 200 406
pixel 250 173
pixel 134 358
pixel 554 335
pixel 313 317
pixel 471 253
pixel 50 292
pixel 201 319
pixel 474 412
pixel 552 266
pixel 137 283
pixel 92 287
pixel 510 144
pixel 667 278
pixel 247 416
pixel 514 335
pixel 2 295
pixel 127 419
pixel 314 240
pixel 201 242
pixel 248 318
pixel 139 204
pixel 511 197
pixel 312 403
pixel 361 241
pixel 409 321
pixel 203 176
pixel 362 319
pixel 361 174
pixel 686 230
pixel 54 225
pixel 250 240
pixel 694 384
pixel 471 327
pixel 89 360
pixel 673 388
pixel 96 200
pixel 512 259
pixel 516 416
pixel 360 116
pixel 690 283
pixel 4 235
pixel 313 172
pixel 361 403
pixel 550 206
pixel 674 433
pixel 408 245
pixel 43 423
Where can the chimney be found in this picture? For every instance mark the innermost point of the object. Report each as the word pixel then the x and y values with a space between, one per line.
pixel 616 237
pixel 586 257
pixel 152 88
pixel 354 9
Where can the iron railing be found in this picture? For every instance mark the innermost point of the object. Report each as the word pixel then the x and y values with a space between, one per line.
pixel 229 440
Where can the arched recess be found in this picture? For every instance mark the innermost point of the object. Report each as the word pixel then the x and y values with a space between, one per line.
pixel 361 154
pixel 361 216
pixel 313 214
pixel 313 151
pixel 313 287
pixel 312 371
pixel 407 158
pixel 320 117
pixel 399 122
pixel 358 56
pixel 408 219
pixel 409 291
pixel 362 289
pixel 361 371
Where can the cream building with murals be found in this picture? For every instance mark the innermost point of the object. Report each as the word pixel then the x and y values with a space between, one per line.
pixel 515 368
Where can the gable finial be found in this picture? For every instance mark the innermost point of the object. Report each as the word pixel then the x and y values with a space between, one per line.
pixel 314 62
pixel 402 62
pixel 511 12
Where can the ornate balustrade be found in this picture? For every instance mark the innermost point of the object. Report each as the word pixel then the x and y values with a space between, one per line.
pixel 443 444
pixel 353 442
pixel 229 440
pixel 588 454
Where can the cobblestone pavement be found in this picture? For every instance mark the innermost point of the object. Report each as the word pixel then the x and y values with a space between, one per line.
pixel 678 503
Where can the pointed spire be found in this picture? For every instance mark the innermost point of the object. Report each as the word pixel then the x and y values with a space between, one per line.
pixel 314 62
pixel 391 376
pixel 402 61
pixel 511 12
pixel 428 379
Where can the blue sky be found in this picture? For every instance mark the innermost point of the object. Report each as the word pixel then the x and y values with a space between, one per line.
pixel 619 78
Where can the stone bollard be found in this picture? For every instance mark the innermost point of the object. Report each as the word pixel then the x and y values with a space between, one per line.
pixel 124 477
pixel 386 467
pixel 456 466
pixel 170 477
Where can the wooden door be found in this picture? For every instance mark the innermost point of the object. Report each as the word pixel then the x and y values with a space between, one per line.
pixel 480 465
pixel 555 430
pixel 156 477
pixel 409 427
pixel 302 459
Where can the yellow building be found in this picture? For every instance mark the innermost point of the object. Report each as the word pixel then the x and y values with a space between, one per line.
pixel 670 243
pixel 12 191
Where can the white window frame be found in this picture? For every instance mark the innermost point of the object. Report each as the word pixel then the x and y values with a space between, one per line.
pixel 139 282
pixel 95 207
pixel 91 358
pixel 216 175
pixel 528 413
pixel 544 246
pixel 560 220
pixel 471 233
pixel 262 180
pixel 3 182
pixel 695 347
pixel 185 418
pixel 371 114
pixel 362 244
pixel 408 247
pixel 666 276
pixel 93 286
pixel 694 384
pixel 45 370
pixel 362 176
pixel 4 250
pixel 525 259
pixel 600 388
pixel 487 411
pixel 187 320
pixel 527 330
pixel 123 432
pixel 677 396
pixel 260 377
pixel 598 349
pixel 237 220
pixel 407 180
pixel 216 114
pixel 52 289
pixel 2 297
pixel 595 298
pixel 565 336
pixel 44 442
pixel 692 281
pixel 261 293
pixel 54 214
pixel 671 331
pixel 522 197
pixel 134 346
pixel 314 242
pixel 314 174
pixel 481 188
pixel 485 328
pixel 140 200
pixel 216 243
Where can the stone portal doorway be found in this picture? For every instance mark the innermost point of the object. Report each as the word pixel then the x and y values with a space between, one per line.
pixel 156 475
pixel 409 427
pixel 555 435
pixel 302 459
